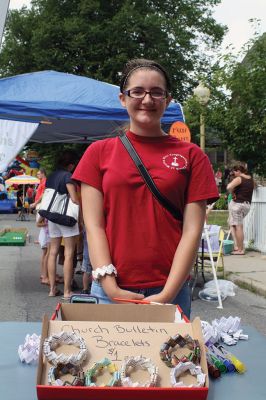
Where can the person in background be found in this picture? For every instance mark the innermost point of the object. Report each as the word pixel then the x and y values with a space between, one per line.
pixel 41 174
pixel 20 200
pixel 44 241
pixel 86 267
pixel 226 175
pixel 29 196
pixel 229 196
pixel 61 181
pixel 137 248
pixel 241 187
pixel 3 191
pixel 218 178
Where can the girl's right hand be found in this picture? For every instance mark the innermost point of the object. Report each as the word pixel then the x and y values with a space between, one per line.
pixel 126 294
pixel 112 290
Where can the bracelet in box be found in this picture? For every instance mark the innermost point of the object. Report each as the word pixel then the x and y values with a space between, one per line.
pixel 70 338
pixel 97 368
pixel 99 273
pixel 141 363
pixel 182 367
pixel 55 374
pixel 170 359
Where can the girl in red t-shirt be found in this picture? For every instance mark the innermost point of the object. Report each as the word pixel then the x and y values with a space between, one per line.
pixel 137 248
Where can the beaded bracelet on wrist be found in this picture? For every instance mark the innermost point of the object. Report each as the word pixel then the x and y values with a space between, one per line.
pixel 141 363
pixel 71 338
pixel 167 348
pixel 55 374
pixel 97 368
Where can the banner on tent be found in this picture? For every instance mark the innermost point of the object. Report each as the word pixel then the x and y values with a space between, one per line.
pixel 13 137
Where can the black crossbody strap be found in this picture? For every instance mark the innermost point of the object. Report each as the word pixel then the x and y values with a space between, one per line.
pixel 148 179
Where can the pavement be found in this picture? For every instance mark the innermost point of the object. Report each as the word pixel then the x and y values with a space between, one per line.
pixel 247 271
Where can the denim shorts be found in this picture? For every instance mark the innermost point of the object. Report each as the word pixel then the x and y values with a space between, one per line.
pixel 86 264
pixel 183 298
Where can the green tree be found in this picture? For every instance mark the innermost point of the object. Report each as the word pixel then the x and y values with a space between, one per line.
pixel 236 112
pixel 215 111
pixel 246 116
pixel 96 37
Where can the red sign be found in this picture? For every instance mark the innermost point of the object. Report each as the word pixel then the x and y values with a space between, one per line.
pixel 180 131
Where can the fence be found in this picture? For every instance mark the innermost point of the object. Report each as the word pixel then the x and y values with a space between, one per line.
pixel 255 221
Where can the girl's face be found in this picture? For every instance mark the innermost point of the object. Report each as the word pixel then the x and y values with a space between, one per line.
pixel 146 112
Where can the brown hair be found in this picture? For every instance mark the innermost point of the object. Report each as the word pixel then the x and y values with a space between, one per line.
pixel 66 158
pixel 137 63
pixel 42 170
pixel 241 168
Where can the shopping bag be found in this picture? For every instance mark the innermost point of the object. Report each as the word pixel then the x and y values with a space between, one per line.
pixel 59 208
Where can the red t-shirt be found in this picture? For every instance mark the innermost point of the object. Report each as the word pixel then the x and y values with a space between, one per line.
pixel 142 235
pixel 40 189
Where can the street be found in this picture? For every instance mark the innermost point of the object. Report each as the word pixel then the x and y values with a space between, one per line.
pixel 23 298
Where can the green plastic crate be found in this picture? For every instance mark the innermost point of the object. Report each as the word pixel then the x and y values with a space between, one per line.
pixel 13 239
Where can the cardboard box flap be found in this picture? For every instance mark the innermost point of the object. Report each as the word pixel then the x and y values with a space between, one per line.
pixel 44 335
pixel 118 312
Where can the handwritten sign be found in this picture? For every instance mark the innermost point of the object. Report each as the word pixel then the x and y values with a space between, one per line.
pixel 180 131
pixel 118 338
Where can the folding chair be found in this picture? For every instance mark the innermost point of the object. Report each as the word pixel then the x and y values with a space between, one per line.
pixel 217 255
pixel 220 254
pixel 216 237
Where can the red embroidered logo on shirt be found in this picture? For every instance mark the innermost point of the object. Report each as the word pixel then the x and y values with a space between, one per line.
pixel 175 161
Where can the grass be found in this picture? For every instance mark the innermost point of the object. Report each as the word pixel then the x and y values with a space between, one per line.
pixel 218 218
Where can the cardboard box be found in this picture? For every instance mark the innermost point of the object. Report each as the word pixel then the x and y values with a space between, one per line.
pixel 116 331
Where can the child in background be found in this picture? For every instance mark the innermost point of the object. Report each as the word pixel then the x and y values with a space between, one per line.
pixel 44 241
pixel 86 267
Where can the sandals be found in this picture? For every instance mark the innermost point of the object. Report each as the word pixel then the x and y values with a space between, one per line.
pixel 238 253
pixel 59 279
pixel 45 281
pixel 66 299
pixel 56 293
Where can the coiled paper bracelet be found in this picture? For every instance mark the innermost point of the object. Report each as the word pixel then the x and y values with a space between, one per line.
pixel 96 370
pixel 182 367
pixel 142 363
pixel 55 374
pixel 170 359
pixel 58 339
pixel 100 272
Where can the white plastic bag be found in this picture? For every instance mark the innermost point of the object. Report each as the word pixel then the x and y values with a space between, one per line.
pixel 228 288
pixel 209 292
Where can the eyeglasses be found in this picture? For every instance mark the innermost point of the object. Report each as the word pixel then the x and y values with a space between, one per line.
pixel 139 93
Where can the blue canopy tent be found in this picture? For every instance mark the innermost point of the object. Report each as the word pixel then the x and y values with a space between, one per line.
pixel 68 108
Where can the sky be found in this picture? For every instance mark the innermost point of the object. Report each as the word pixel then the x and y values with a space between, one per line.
pixel 233 13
